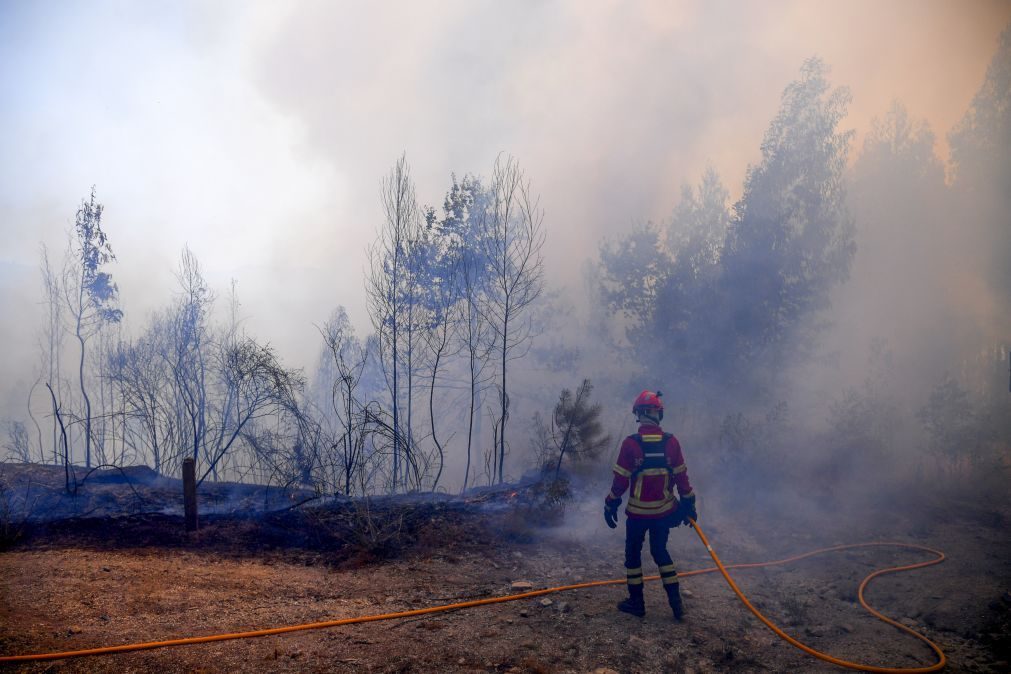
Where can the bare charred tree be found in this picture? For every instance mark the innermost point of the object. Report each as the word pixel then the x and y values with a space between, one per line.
pixel 512 237
pixel 390 289
pixel 89 293
pixel 146 384
pixel 18 445
pixel 187 349
pixel 253 385
pixel 64 444
pixel 52 336
pixel 348 360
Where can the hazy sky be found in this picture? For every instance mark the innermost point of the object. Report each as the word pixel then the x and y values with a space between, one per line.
pixel 257 133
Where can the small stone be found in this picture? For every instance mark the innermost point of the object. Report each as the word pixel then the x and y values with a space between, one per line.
pixel 523 613
pixel 908 622
pixel 74 630
pixel 637 642
pixel 390 600
pixel 687 593
pixel 546 602
pixel 522 585
pixel 517 553
pixel 461 661
pixel 564 607
pixel 106 569
pixel 846 627
pixel 604 670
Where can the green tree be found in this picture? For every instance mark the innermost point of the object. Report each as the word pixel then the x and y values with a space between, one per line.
pixel 950 422
pixel 576 430
pixel 90 293
pixel 791 239
pixel 734 297
pixel 981 165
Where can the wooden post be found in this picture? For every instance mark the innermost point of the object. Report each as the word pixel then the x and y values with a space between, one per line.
pixel 190 493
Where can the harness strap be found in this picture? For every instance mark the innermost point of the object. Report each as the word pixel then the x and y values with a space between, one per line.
pixel 651 455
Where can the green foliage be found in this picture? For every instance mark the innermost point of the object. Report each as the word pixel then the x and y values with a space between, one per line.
pixel 791 238
pixel 950 422
pixel 982 171
pixel 733 297
pixel 94 252
pixel 979 142
pixel 575 430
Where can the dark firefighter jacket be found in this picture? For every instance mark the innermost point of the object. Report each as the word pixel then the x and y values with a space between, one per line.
pixel 652 469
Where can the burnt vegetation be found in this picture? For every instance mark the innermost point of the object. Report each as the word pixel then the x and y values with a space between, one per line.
pixel 770 323
pixel 731 306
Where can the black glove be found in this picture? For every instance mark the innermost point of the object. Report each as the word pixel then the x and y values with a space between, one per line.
pixel 686 509
pixel 611 512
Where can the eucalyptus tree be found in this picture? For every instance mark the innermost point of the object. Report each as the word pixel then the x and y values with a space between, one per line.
pixel 89 293
pixel 460 229
pixel 390 285
pixel 511 239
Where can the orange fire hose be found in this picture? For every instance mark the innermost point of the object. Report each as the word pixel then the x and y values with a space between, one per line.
pixel 106 650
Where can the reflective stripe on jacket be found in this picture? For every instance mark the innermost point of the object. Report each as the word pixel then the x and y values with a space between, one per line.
pixel 652 469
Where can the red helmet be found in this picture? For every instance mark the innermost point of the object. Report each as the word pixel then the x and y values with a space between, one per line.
pixel 647 400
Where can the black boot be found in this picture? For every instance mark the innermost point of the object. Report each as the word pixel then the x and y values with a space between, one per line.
pixel 634 604
pixel 674 599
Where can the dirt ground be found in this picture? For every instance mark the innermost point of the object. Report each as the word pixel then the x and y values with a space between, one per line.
pixel 61 592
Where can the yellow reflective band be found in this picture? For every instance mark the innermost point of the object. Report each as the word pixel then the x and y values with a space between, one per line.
pixel 679 469
pixel 652 438
pixel 638 490
pixel 613 496
pixel 671 580
pixel 632 572
pixel 653 471
pixel 621 471
pixel 658 510
pixel 668 568
pixel 650 504
pixel 635 581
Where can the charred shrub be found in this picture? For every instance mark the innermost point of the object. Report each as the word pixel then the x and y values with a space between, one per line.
pixel 15 511
pixel 542 504
pixel 550 496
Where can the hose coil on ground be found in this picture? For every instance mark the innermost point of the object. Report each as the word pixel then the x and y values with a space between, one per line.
pixel 723 569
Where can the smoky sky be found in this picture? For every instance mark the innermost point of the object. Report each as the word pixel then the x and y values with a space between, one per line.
pixel 257 133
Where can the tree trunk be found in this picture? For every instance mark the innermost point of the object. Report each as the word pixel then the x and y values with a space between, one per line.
pixel 84 392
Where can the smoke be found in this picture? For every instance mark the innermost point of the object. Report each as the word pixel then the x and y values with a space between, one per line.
pixel 258 135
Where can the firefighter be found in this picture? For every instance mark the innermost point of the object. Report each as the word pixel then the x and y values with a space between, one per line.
pixel 652 464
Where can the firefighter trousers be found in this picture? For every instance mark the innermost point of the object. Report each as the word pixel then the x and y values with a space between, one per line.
pixel 635 535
